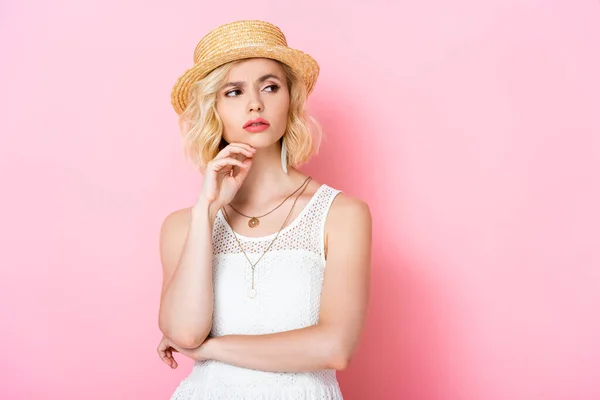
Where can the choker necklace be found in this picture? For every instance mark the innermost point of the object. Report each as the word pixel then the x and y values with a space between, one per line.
pixel 254 221
pixel 252 291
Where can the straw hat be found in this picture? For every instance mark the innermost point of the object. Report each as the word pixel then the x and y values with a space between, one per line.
pixel 240 40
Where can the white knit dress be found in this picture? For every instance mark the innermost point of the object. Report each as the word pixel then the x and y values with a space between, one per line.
pixel 288 283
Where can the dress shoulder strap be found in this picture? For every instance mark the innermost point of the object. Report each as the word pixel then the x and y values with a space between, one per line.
pixel 321 208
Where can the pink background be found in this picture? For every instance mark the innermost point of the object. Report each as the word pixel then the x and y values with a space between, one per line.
pixel 472 128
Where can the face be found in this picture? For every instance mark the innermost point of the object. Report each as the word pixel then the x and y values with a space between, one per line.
pixel 256 93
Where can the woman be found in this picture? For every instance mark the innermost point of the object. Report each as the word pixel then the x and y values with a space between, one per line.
pixel 246 293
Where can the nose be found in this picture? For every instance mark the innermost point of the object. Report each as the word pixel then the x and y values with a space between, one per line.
pixel 254 103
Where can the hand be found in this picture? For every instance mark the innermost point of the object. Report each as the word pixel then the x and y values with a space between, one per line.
pixel 166 348
pixel 225 174
pixel 165 351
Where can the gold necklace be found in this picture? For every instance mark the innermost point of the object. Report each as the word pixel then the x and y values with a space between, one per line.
pixel 252 291
pixel 254 221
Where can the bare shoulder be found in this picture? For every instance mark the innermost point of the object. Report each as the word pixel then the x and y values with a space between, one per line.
pixel 348 226
pixel 348 211
pixel 173 234
pixel 176 220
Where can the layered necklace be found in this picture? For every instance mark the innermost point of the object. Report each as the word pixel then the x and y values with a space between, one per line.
pixel 252 291
pixel 255 220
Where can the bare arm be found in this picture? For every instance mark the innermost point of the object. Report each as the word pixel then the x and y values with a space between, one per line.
pixel 331 343
pixel 186 305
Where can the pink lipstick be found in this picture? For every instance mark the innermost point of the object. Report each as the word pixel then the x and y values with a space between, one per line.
pixel 256 125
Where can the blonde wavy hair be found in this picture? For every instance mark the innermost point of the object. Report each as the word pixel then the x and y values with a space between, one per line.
pixel 202 128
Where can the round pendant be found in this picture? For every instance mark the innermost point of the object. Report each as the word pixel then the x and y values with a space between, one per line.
pixel 251 293
pixel 253 223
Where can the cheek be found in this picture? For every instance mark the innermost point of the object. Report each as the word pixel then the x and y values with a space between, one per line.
pixel 225 113
pixel 282 108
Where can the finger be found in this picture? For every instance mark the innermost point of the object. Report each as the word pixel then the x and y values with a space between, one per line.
pixel 218 164
pixel 243 172
pixel 170 358
pixel 163 352
pixel 163 356
pixel 173 361
pixel 237 147
pixel 243 145
pixel 232 149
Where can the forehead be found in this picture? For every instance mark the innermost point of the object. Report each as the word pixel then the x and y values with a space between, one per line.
pixel 254 68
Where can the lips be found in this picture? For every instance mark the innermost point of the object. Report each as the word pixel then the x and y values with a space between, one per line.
pixel 256 122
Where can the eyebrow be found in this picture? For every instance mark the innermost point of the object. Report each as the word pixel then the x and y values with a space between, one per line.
pixel 260 80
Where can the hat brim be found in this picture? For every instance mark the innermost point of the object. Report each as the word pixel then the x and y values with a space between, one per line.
pixel 306 67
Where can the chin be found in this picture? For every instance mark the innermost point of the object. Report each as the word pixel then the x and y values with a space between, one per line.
pixel 257 140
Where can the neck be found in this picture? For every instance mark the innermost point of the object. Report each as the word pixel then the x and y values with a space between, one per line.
pixel 267 180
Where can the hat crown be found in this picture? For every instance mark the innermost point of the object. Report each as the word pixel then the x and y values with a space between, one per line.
pixel 238 34
pixel 241 40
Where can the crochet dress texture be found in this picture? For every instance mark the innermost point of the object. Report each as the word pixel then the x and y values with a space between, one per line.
pixel 288 282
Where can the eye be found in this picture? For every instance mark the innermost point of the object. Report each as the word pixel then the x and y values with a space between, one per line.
pixel 233 93
pixel 272 88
